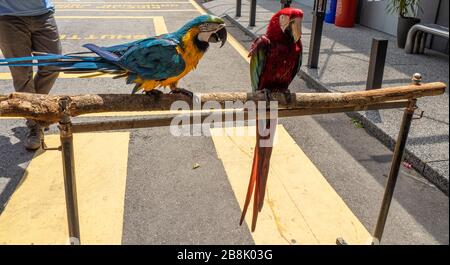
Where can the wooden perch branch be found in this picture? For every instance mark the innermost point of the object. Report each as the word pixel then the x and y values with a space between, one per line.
pixel 47 108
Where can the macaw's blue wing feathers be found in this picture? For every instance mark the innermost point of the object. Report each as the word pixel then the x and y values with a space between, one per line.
pixel 258 60
pixel 105 54
pixel 155 59
pixel 120 49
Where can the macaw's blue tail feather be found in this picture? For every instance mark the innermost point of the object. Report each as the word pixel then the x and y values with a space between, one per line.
pixel 32 58
pixel 70 63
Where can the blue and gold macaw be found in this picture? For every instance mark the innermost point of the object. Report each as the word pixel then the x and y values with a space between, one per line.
pixel 149 63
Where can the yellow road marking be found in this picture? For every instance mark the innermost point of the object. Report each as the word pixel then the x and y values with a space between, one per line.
pixel 158 21
pixel 233 42
pixel 300 205
pixel 198 7
pixel 160 25
pixel 239 48
pixel 36 212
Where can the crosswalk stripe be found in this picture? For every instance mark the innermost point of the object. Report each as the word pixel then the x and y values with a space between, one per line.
pixel 36 212
pixel 300 206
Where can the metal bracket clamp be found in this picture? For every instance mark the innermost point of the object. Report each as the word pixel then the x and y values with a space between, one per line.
pixel 45 148
pixel 417 80
pixel 420 115
pixel 63 105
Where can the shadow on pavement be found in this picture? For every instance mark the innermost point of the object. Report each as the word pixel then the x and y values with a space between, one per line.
pixel 14 159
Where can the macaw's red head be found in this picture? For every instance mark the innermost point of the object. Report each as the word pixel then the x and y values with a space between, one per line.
pixel 286 23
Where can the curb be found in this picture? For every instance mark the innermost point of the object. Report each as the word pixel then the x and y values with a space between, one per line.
pixel 429 173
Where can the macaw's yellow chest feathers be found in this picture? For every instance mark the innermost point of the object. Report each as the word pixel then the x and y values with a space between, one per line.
pixel 191 50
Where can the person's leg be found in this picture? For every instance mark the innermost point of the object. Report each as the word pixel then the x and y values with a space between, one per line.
pixel 15 41
pixel 45 38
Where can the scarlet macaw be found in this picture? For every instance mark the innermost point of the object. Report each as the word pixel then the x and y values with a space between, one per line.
pixel 150 63
pixel 276 58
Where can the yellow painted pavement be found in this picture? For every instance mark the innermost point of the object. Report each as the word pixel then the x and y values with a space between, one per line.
pixel 300 206
pixel 36 213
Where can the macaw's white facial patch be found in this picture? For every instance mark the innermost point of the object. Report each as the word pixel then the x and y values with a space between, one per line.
pixel 210 32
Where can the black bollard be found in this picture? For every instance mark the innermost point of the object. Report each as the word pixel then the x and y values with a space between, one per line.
pixel 316 32
pixel 376 63
pixel 238 8
pixel 285 3
pixel 252 13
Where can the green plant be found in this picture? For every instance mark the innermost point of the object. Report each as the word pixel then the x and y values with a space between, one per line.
pixel 357 123
pixel 403 7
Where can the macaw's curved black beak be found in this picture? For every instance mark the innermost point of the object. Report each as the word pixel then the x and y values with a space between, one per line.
pixel 220 35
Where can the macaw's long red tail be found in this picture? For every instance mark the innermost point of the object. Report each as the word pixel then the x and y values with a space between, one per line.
pixel 260 168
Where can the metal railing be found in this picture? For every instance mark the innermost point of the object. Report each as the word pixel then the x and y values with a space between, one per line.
pixel 415 41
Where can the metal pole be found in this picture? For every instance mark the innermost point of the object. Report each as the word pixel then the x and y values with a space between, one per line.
pixel 66 136
pixel 316 33
pixel 238 8
pixel 395 165
pixel 376 63
pixel 252 13
pixel 285 3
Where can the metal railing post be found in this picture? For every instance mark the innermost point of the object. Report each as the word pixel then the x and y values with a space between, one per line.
pixel 316 33
pixel 395 165
pixel 252 13
pixel 70 188
pixel 285 3
pixel 376 64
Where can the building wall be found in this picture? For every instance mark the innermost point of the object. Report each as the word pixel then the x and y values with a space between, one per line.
pixel 373 14
pixel 438 43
